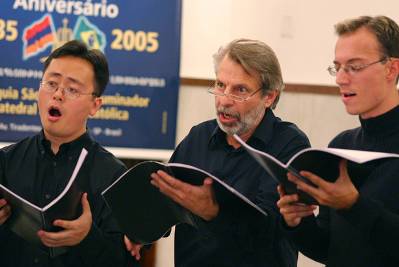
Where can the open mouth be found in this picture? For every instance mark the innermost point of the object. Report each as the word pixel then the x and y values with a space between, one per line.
pixel 54 112
pixel 227 118
pixel 348 94
pixel 226 115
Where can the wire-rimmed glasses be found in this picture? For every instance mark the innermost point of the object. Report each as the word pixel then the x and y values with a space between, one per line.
pixel 69 92
pixel 353 68
pixel 242 95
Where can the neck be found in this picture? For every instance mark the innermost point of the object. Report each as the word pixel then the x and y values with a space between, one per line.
pixel 55 146
pixel 392 101
pixel 245 136
pixel 57 141
pixel 234 143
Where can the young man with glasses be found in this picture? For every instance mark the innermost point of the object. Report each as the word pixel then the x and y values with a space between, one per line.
pixel 38 168
pixel 358 221
pixel 248 85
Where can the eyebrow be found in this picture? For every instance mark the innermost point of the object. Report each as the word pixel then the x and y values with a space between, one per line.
pixel 234 85
pixel 57 74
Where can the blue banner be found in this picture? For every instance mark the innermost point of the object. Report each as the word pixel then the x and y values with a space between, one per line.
pixel 141 40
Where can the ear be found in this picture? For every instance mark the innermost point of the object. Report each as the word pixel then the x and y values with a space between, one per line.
pixel 393 69
pixel 96 106
pixel 270 97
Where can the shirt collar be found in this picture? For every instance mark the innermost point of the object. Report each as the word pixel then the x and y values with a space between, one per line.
pixel 264 131
pixel 384 124
pixel 77 144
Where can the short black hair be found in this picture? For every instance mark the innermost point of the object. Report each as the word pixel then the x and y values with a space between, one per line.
pixel 95 57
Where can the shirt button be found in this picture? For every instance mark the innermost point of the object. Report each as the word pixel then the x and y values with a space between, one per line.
pixel 54 163
pixel 47 196
pixel 36 260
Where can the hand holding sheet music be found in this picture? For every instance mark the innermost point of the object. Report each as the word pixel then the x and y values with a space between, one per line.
pixel 199 199
pixel 145 214
pixel 321 162
pixel 27 219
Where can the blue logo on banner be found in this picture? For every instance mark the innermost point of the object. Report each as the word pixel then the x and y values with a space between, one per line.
pixel 89 34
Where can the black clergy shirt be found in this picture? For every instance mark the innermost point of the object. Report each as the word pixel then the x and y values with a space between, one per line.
pixel 367 233
pixel 33 171
pixel 239 235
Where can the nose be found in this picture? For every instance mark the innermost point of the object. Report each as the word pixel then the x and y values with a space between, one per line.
pixel 342 77
pixel 224 101
pixel 58 95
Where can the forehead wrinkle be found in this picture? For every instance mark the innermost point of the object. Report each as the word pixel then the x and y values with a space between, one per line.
pixel 351 60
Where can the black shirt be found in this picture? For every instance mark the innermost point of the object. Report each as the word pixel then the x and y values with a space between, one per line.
pixel 239 235
pixel 367 234
pixel 33 171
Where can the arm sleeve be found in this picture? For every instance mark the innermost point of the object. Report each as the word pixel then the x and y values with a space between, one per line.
pixel 104 245
pixel 377 216
pixel 311 236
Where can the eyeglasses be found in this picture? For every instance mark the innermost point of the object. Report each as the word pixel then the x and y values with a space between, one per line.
pixel 353 68
pixel 241 93
pixel 68 92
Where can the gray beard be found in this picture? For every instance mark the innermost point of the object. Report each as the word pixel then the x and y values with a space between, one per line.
pixel 245 123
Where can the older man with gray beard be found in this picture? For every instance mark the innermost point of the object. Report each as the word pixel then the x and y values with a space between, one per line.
pixel 247 87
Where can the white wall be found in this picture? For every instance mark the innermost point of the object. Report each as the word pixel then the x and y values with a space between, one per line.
pixel 300 32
